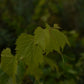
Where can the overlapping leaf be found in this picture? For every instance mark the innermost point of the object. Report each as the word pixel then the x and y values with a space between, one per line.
pixel 50 39
pixel 30 50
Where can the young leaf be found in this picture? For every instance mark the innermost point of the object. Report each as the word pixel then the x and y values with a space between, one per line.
pixel 57 40
pixel 31 54
pixel 9 63
pixel 42 37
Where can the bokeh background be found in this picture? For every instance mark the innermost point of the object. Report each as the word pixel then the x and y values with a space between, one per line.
pixel 18 16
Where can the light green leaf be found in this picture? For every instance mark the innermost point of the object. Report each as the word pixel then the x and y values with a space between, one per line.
pixel 57 40
pixel 30 53
pixel 42 37
pixel 9 63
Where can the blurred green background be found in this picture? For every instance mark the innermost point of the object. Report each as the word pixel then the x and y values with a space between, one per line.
pixel 18 16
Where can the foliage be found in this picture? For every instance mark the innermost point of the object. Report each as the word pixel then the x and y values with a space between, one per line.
pixel 30 50
pixel 17 16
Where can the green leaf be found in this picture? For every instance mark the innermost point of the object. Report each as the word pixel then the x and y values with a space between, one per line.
pixel 57 40
pixel 42 37
pixel 31 54
pixel 9 63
